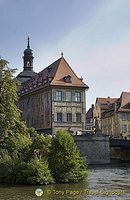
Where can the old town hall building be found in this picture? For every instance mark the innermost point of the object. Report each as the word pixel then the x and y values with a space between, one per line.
pixel 53 99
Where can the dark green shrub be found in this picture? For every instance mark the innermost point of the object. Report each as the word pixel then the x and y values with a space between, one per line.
pixel 64 159
pixel 11 168
pixel 38 172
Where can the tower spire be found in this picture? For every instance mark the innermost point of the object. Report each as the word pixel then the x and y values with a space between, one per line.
pixel 28 58
pixel 28 46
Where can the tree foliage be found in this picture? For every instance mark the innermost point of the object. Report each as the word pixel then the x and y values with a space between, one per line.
pixel 14 135
pixel 64 159
pixel 43 144
pixel 9 113
pixel 37 172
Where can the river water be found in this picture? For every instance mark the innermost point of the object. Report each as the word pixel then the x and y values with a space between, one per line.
pixel 104 182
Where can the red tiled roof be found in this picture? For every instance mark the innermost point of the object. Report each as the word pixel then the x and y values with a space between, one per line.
pixel 101 101
pixel 125 102
pixel 53 75
pixel 107 113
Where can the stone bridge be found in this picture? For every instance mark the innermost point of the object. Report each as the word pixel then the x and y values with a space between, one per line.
pixel 120 149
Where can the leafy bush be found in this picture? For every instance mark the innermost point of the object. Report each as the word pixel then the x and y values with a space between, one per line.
pixel 42 144
pixel 11 168
pixel 64 159
pixel 38 172
pixel 15 171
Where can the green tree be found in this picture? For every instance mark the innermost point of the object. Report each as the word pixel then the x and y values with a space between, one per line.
pixel 9 113
pixel 14 134
pixel 42 144
pixel 64 159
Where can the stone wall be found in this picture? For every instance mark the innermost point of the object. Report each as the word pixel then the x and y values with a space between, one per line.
pixel 120 153
pixel 95 147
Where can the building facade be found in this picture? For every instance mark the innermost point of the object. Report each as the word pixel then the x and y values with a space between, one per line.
pixel 89 119
pixel 101 105
pixel 53 99
pixel 116 120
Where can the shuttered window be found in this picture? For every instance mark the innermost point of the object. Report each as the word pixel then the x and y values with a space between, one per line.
pixel 63 96
pixel 78 117
pixel 59 95
pixel 69 117
pixel 124 116
pixel 59 117
pixel 42 119
pixel 76 96
pixel 124 128
pixel 42 98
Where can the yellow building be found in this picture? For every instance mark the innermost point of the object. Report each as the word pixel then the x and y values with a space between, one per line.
pixel 102 105
pixel 116 120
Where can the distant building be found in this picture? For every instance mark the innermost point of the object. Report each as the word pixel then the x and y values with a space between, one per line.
pixel 53 99
pixel 102 105
pixel 89 119
pixel 116 120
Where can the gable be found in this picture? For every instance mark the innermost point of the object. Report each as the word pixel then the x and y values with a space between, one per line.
pixel 63 71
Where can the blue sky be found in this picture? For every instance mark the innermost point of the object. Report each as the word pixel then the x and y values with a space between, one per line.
pixel 94 36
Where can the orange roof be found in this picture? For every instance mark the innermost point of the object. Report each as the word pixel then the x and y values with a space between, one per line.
pixel 125 102
pixel 101 101
pixel 64 70
pixel 53 75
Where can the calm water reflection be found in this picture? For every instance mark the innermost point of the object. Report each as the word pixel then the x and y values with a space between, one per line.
pixel 100 179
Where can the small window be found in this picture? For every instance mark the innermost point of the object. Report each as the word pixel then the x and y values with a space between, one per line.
pixel 68 79
pixel 37 100
pixel 48 118
pixel 42 119
pixel 77 96
pixel 124 116
pixel 78 117
pixel 69 117
pixel 63 95
pixel 58 96
pixel 59 117
pixel 42 98
pixel 124 128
